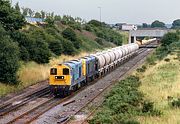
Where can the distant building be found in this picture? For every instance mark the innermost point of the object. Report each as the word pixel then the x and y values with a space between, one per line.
pixel 128 27
pixel 34 21
pixel 119 25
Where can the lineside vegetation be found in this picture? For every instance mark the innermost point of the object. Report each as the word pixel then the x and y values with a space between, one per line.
pixel 152 95
pixel 26 43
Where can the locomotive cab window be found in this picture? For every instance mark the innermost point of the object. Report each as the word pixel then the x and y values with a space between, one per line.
pixel 53 71
pixel 65 71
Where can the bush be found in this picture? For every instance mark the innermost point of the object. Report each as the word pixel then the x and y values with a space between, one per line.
pixel 56 47
pixel 96 23
pixel 142 69
pixel 39 51
pixel 9 59
pixel 88 28
pixel 176 103
pixel 70 35
pixel 167 59
pixel 169 38
pixel 99 41
pixel 24 54
pixel 123 103
pixel 68 48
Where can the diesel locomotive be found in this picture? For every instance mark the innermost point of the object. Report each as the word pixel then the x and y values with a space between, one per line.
pixel 71 75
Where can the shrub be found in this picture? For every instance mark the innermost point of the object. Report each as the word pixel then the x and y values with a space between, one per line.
pixel 167 59
pixel 169 38
pixel 142 69
pixel 95 23
pixel 11 18
pixel 176 103
pixel 68 48
pixel 9 59
pixel 99 41
pixel 24 54
pixel 39 51
pixel 88 28
pixel 148 107
pixel 56 47
pixel 70 35
pixel 123 103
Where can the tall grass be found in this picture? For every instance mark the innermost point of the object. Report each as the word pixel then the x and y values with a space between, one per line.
pixel 30 73
pixel 159 83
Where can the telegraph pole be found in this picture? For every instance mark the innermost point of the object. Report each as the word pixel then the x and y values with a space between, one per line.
pixel 99 13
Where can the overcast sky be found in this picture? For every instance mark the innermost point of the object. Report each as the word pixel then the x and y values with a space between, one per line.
pixel 113 11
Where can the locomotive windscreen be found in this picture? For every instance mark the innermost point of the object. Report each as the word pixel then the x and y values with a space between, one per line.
pixel 65 71
pixel 53 71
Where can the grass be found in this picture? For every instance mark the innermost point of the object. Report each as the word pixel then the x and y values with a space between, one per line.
pixel 30 73
pixel 159 82
pixel 125 37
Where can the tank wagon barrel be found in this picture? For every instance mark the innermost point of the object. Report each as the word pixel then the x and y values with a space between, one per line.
pixel 144 42
pixel 71 75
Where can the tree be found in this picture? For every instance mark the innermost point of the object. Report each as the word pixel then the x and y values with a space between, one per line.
pixel 9 59
pixel 37 15
pixel 95 23
pixel 170 38
pixel 50 21
pixel 56 46
pixel 68 48
pixel 57 18
pixel 10 18
pixel 24 54
pixel 25 11
pixel 38 46
pixel 17 7
pixel 158 24
pixel 23 43
pixel 69 34
pixel 43 14
pixel 30 12
pixel 39 51
pixel 176 24
pixel 145 25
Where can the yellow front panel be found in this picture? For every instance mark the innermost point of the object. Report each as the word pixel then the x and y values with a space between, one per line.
pixel 66 78
pixel 84 67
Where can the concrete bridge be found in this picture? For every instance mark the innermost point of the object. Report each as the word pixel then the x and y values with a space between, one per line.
pixel 146 32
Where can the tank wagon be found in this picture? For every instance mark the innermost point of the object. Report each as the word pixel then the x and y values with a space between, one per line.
pixel 71 75
pixel 144 42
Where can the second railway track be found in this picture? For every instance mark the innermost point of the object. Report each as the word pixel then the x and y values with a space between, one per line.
pixel 33 113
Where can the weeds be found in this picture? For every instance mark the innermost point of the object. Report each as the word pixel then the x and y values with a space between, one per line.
pixel 123 103
pixel 176 103
pixel 142 69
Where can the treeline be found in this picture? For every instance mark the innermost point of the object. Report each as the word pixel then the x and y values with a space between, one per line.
pixel 160 24
pixel 20 41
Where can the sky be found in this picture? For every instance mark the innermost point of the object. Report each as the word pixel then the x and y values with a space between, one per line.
pixel 112 11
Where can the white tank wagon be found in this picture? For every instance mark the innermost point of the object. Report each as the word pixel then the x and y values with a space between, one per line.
pixel 118 53
pixel 112 56
pixel 107 60
pixel 101 60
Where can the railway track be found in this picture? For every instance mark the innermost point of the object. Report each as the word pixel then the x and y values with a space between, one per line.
pixel 100 93
pixel 32 114
pixel 9 107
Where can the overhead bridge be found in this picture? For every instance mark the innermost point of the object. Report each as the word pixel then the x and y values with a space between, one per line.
pixel 146 32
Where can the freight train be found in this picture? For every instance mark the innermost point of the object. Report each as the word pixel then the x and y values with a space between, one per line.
pixel 71 75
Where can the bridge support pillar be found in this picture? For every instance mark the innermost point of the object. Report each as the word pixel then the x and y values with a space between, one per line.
pixel 132 39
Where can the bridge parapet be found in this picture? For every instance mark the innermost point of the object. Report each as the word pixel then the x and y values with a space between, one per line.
pixel 150 32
